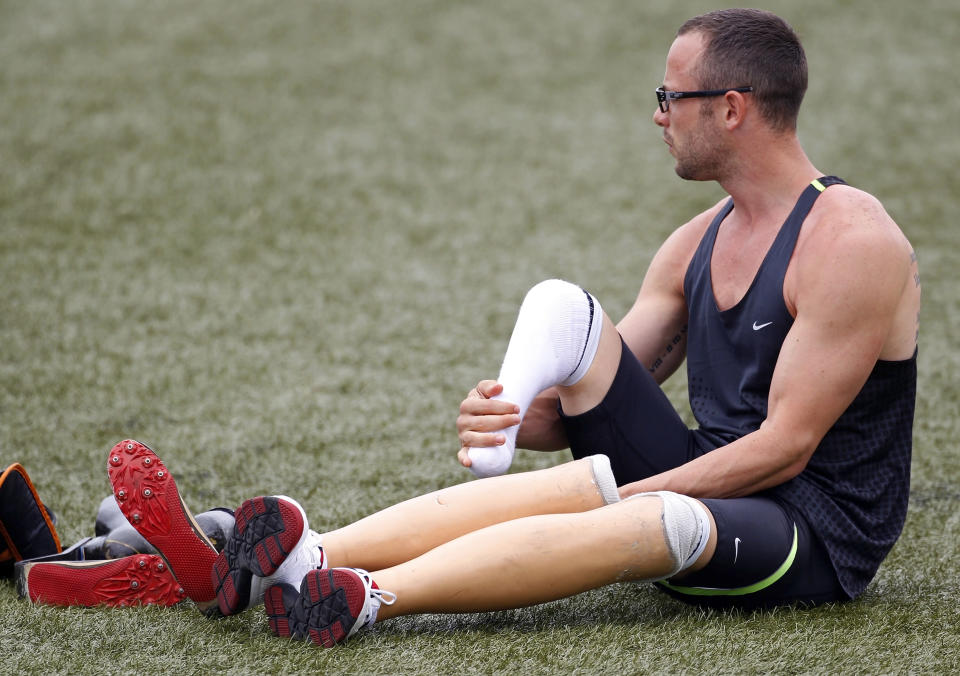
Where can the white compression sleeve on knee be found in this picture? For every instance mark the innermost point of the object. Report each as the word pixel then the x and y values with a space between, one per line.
pixel 554 342
pixel 686 528
pixel 603 476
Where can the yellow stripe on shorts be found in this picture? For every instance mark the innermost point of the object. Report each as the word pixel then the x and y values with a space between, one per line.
pixel 741 591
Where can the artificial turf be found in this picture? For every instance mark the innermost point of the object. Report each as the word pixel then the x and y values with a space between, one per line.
pixel 278 242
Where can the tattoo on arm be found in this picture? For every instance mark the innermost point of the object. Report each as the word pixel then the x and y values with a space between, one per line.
pixel 671 346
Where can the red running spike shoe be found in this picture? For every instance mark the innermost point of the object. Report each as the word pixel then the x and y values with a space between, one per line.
pixel 140 579
pixel 148 497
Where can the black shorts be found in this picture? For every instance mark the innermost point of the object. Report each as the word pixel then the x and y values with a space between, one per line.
pixel 767 555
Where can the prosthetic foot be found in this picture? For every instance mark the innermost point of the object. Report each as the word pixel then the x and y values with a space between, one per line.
pixel 271 544
pixel 331 606
pixel 63 580
pixel 148 497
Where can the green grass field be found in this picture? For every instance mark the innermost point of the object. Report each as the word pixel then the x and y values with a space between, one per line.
pixel 278 242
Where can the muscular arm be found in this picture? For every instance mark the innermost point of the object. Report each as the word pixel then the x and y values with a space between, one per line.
pixel 655 328
pixel 851 282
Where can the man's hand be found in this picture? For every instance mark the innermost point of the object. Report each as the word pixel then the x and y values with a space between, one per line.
pixel 481 419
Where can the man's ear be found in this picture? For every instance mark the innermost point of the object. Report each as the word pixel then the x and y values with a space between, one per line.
pixel 735 109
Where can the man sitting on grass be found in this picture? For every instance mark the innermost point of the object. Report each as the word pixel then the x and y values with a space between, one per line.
pixel 795 303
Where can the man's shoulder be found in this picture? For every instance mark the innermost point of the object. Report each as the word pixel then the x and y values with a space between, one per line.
pixel 850 243
pixel 669 265
pixel 842 194
pixel 691 232
pixel 847 204
pixel 704 218
pixel 679 247
pixel 847 216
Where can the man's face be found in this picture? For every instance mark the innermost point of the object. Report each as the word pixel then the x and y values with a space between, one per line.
pixel 689 128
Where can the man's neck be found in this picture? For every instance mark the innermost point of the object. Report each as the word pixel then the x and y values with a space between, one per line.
pixel 771 174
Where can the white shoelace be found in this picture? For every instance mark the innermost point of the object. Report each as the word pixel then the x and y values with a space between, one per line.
pixel 377 597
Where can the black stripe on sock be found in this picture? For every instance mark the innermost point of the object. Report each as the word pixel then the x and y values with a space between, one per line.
pixel 589 329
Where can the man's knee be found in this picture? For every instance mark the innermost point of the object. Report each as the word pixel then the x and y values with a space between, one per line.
pixel 572 320
pixel 557 304
pixel 686 526
pixel 601 477
pixel 553 294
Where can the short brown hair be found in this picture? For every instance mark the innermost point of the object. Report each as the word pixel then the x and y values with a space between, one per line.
pixel 751 47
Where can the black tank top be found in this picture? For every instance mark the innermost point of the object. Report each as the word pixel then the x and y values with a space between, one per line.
pixel 854 490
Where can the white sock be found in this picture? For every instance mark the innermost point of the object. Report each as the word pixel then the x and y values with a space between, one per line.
pixel 554 342
pixel 604 479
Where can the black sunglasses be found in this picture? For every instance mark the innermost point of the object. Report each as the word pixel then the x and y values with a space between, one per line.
pixel 665 96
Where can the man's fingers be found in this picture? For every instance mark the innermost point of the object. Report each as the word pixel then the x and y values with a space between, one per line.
pixel 481 419
pixel 472 439
pixel 485 389
pixel 481 407
pixel 485 423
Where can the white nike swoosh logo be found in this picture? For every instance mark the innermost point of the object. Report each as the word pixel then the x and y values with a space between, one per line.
pixel 736 550
pixel 757 327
